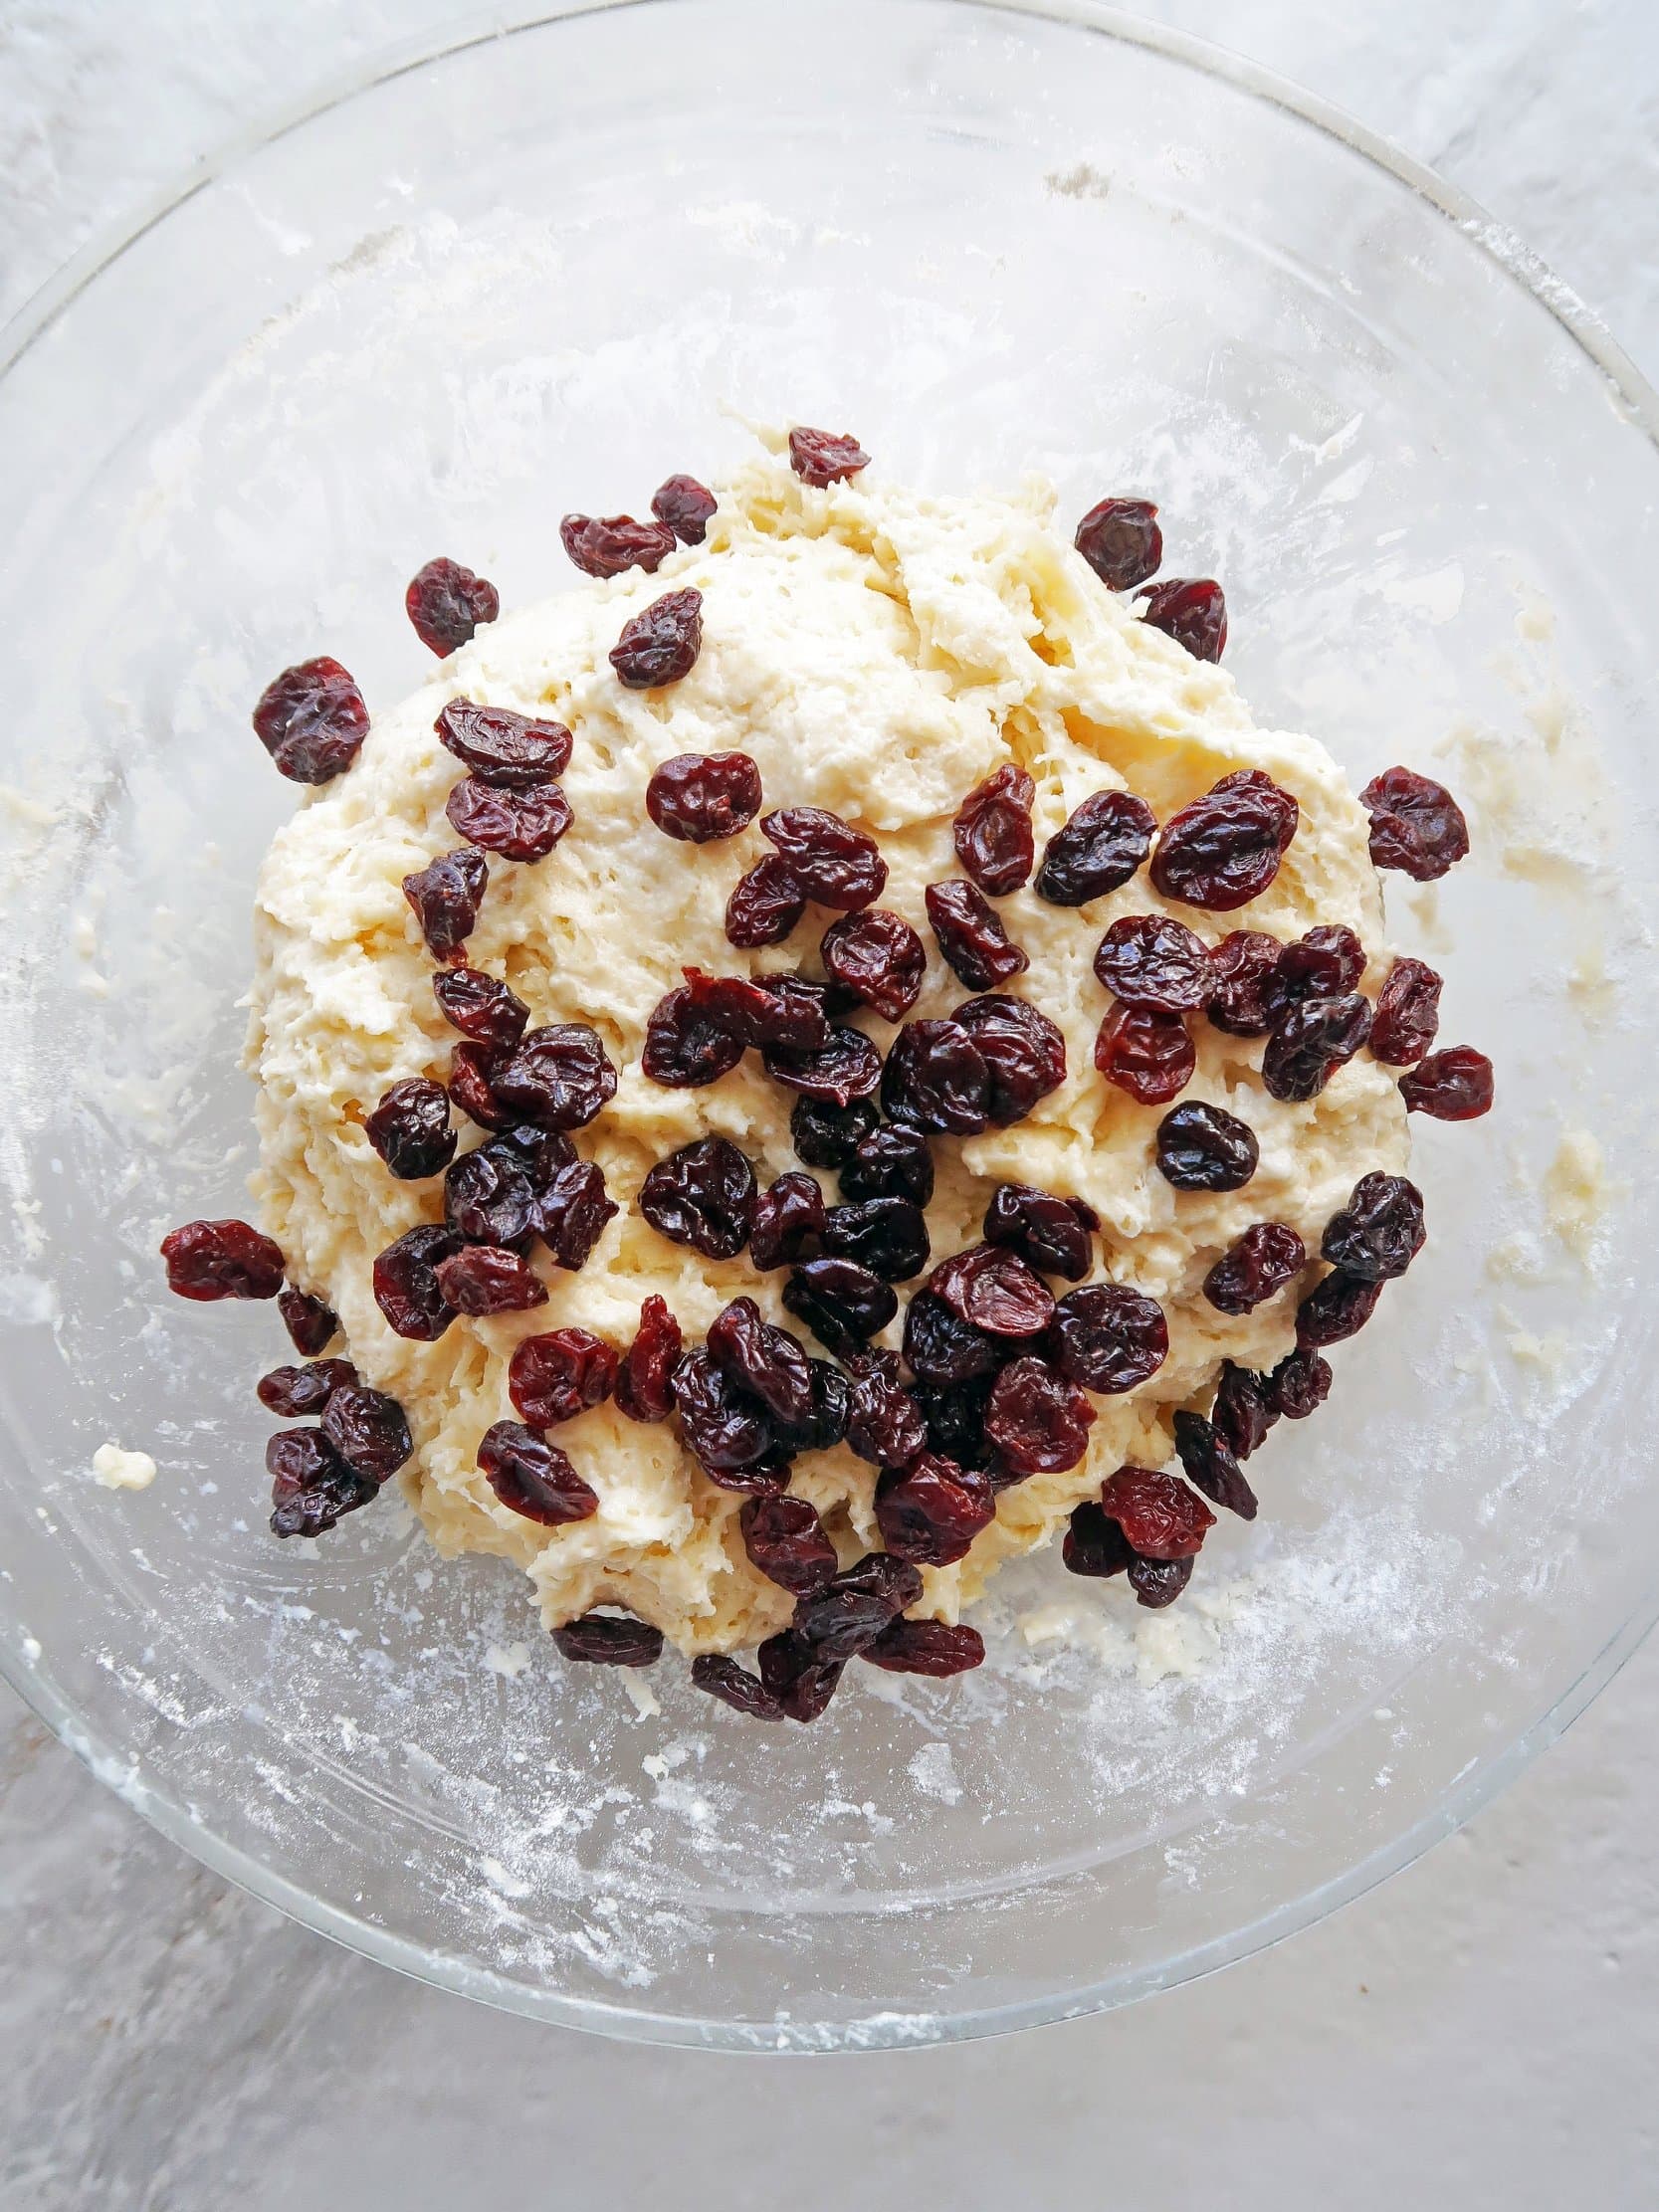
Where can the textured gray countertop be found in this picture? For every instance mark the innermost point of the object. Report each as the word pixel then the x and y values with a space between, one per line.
pixel 1484 2032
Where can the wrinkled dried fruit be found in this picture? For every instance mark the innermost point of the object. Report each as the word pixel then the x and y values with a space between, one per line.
pixel 971 937
pixel 1300 1384
pixel 1224 849
pixel 889 1236
pixel 954 1416
pixel 446 896
pixel 1107 1337
pixel 935 1080
pixel 607 544
pixel 1337 1308
pixel 1099 849
pixel 723 1677
pixel 885 1424
pixel 368 1431
pixel 792 1673
pixel 573 1212
pixel 781 1011
pixel 703 1196
pixel 891 1162
pixel 521 825
pixel 827 1135
pixel 1416 823
pixel 1024 1053
pixel 1192 611
pixel 788 1223
pixel 470 1067
pixel 1054 1235
pixel 295 1393
pixel 686 1047
pixel 766 1362
pixel 832 862
pixel 481 1006
pixel 729 1435
pixel 991 1286
pixel 1148 1055
pixel 1452 1085
pixel 1255 1266
pixel 446 603
pixel 312 1487
pixel 411 1130
pixel 1094 1544
pixel 209 1260
pixel 501 747
pixel 552 1377
pixel 937 1648
pixel 406 1282
pixel 930 1510
pixel 610 1640
pixel 1159 1582
pixel 311 1323
pixel 1037 1419
pixel 558 1078
pixel 786 1540
pixel 1122 543
pixel 843 1303
pixel 845 1067
pixel 877 957
pixel 644 1387
pixel 687 507
pixel 765 905
pixel 993 832
pixel 838 1621
pixel 533 1476
pixel 1156 961
pixel 485 1279
pixel 822 457
pixel 1379 1231
pixel 1202 1147
pixel 1160 1516
pixel 1313 1041
pixel 1210 1465
pixel 1245 1409
pixel 312 720
pixel 1408 1014
pixel 943 1347
pixel 826 1421
pixel 659 644
pixel 1326 963
pixel 1242 969
pixel 698 797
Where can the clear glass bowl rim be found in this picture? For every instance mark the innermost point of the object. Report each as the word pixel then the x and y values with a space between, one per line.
pixel 1482 1782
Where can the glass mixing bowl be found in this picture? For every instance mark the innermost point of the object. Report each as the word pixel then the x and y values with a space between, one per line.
pixel 537 271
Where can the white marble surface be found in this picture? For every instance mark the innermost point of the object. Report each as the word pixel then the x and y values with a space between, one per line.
pixel 1482 2032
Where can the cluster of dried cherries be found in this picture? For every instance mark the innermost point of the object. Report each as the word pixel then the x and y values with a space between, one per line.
pixel 993 1384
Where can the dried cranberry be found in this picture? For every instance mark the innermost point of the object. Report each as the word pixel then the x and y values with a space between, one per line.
pixel 542 1156
pixel 406 1282
pixel 661 643
pixel 827 1135
pixel 1255 1266
pixel 1408 1012
pixel 1107 1337
pixel 410 1130
pixel 1224 849
pixel 765 905
pixel 481 1006
pixel 1202 1147
pixel 703 1196
pixel 728 1432
pixel 1159 1582
pixel 841 1303
pixel 533 1476
pixel 943 1347
pixel 312 1487
pixel 791 1673
pixel 1245 1409
pixel 953 1414
pixel 821 456
pixel 1094 1544
pixel 610 1640
pixel 885 1424
pixel 1452 1085
pixel 1192 611
pixel 838 1621
pixel 558 1078
pixel 788 1223
pixel 1210 1466
pixel 699 796
pixel 1300 1384
pixel 368 1429
pixel 311 1323
pixel 1024 1053
pixel 935 1080
pixel 937 1648
pixel 686 1047
pixel 993 832
pixel 1122 543
pixel 723 1677
pixel 786 1540
pixel 446 896
pixel 1098 850
pixel 1313 1041
pixel 1337 1308
pixel 644 1386
pixel 782 1011
pixel 608 544
pixel 489 1198
pixel 1154 960
pixel 1038 1420
pixel 879 957
pixel 552 1377
pixel 886 1235
pixel 519 825
pixel 972 936
pixel 930 1510
pixel 446 603
pixel 1379 1231
pixel 485 1279
pixel 1149 1055
pixel 1326 963
pixel 831 862
pixel 1159 1515
pixel 209 1260
pixel 470 1067
pixel 1416 823
pixel 687 507
pixel 1242 969
pixel 501 747
pixel 848 1067
pixel 766 1362
pixel 312 720
pixel 572 1214
pixel 1055 1235
pixel 826 1421
pixel 891 1162
pixel 993 1287
pixel 296 1392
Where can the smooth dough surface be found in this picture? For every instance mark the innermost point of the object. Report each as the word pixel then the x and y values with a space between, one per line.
pixel 877 654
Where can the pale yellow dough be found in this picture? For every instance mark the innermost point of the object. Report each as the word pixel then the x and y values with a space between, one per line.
pixel 877 654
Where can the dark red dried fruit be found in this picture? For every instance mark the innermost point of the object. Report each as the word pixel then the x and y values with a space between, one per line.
pixel 930 1510
pixel 312 720
pixel 992 1288
pixel 297 1392
pixel 1337 1308
pixel 826 1136
pixel 826 1420
pixel 1154 960
pixel 843 1303
pixel 1122 543
pixel 1094 1544
pixel 1313 1041
pixel 891 1162
pixel 573 1213
pixel 972 936
pixel 470 1067
pixel 1159 1515
pixel 1107 1337
pixel 1452 1085
pixel 1326 963
pixel 661 643
pixel 993 832
pixel 838 1621
pixel 937 1648
pixel 406 1282
pixel 786 1540
pixel 1242 969
pixel 788 1223
pixel 1098 850
pixel 521 825
pixel 703 1196
pixel 481 1006
pixel 941 1348
pixel 1024 1053
pixel 446 603
pixel 558 1078
pixel 1408 1014
pixel 1202 1147
pixel 1416 823
pixel 488 1196
pixel 698 797
pixel 935 1080
pixel 368 1429
pixel 1055 1235
pixel 877 957
pixel 552 1377
pixel 1300 1384
pixel 1255 1266
pixel 446 896
pixel 411 1130
pixel 311 1323
pixel 766 1362
pixel 312 1487
pixel 831 862
pixel 727 1434
pixel 485 1279
pixel 848 1067
pixel 723 1677
pixel 1210 1466
pixel 644 1387
pixel 687 507
pixel 781 1011
pixel 501 747
pixel 800 1681
pixel 1192 611
pixel 608 544
pixel 954 1416
pixel 1224 849
pixel 1038 1421
pixel 1379 1231
pixel 686 1047
pixel 886 1235
pixel 885 1424
pixel 822 457
pixel 765 905
pixel 1159 1582
pixel 1245 1409
pixel 1149 1055
pixel 210 1260
pixel 610 1640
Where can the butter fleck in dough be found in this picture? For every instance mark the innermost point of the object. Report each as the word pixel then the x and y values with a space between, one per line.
pixel 877 654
